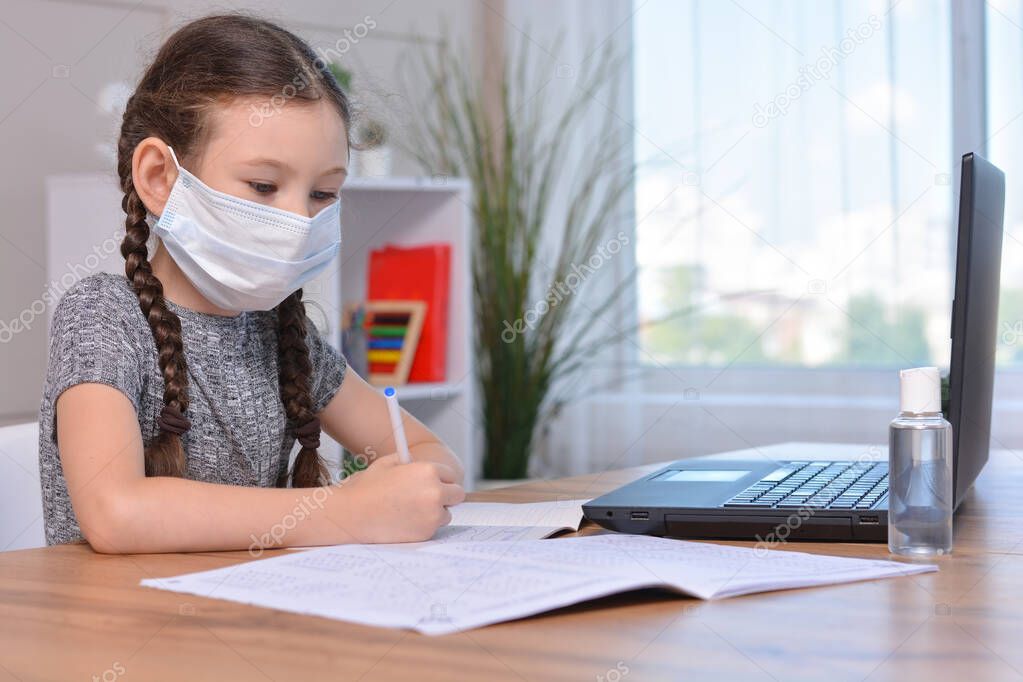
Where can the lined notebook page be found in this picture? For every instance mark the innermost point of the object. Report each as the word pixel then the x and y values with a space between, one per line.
pixel 453 586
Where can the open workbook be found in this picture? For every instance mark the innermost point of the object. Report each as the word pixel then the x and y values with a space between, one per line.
pixel 446 587
pixel 503 521
pixel 478 521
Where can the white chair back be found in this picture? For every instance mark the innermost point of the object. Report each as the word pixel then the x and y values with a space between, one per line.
pixel 21 521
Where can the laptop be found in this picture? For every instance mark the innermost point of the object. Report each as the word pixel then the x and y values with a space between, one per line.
pixel 844 500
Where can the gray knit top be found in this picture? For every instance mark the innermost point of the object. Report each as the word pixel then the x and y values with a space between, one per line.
pixel 238 434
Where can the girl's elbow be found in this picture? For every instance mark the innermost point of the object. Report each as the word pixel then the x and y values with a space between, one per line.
pixel 107 523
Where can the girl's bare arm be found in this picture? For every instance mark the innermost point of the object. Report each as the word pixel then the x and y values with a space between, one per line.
pixel 357 417
pixel 120 510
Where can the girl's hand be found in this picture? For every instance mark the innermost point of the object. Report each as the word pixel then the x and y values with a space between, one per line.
pixel 394 502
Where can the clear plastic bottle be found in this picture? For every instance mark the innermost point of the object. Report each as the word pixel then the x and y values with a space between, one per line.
pixel 920 469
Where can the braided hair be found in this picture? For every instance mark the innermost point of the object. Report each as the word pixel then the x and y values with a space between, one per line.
pixel 201 65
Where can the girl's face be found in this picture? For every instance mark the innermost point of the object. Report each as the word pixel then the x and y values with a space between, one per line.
pixel 293 158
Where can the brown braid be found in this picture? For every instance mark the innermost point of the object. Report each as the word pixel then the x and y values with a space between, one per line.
pixel 294 375
pixel 206 63
pixel 164 456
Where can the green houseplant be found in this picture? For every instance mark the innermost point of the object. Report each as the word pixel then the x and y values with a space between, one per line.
pixel 370 152
pixel 342 75
pixel 541 207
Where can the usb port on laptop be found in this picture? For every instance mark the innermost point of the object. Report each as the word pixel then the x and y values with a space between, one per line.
pixel 639 515
pixel 870 520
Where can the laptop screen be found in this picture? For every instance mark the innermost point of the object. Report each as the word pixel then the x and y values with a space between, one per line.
pixel 975 317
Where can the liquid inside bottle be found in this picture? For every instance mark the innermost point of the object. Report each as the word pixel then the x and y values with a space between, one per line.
pixel 920 486
pixel 920 468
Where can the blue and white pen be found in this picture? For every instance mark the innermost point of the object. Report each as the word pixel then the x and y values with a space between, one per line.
pixel 396 425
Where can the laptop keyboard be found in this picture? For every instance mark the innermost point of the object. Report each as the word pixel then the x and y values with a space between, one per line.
pixel 817 485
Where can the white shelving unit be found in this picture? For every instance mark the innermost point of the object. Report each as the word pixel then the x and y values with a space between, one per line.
pixel 84 217
pixel 405 212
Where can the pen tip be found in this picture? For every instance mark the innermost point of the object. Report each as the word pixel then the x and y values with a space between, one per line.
pixel 389 391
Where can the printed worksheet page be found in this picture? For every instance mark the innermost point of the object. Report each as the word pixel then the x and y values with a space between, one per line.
pixel 453 586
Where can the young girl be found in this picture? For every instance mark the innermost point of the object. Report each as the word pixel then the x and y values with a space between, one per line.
pixel 175 395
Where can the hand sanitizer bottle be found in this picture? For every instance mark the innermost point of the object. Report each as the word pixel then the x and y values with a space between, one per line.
pixel 920 469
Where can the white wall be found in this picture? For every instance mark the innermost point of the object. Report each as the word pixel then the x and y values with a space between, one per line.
pixel 59 55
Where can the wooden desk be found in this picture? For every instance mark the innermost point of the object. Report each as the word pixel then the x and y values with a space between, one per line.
pixel 68 613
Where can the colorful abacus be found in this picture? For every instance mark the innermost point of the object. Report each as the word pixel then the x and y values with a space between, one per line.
pixel 392 334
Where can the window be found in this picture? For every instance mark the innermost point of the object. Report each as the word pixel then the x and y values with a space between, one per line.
pixel 1004 19
pixel 794 199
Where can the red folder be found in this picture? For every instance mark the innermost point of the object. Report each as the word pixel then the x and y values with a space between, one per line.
pixel 417 273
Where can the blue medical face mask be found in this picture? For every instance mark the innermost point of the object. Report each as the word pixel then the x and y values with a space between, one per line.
pixel 240 254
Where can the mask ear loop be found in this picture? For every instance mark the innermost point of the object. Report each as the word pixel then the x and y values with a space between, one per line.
pixel 174 156
pixel 152 219
pixel 154 243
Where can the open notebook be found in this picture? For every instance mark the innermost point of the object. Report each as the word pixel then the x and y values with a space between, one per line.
pixel 479 521
pixel 450 586
pixel 503 521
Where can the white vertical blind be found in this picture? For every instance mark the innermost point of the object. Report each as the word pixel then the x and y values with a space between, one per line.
pixel 796 181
